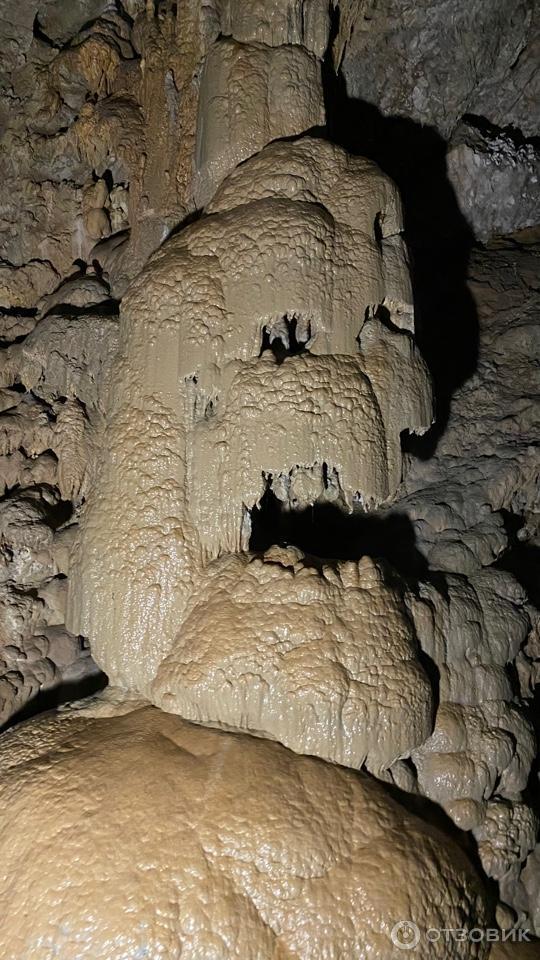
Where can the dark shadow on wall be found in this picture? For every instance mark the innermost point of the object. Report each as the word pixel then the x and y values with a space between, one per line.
pixel 64 692
pixel 326 532
pixel 438 238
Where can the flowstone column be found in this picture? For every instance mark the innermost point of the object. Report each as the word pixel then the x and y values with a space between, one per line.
pixel 299 247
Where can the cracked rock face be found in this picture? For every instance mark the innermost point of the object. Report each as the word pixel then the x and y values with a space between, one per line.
pixel 435 62
pixel 495 179
pixel 261 853
pixel 468 77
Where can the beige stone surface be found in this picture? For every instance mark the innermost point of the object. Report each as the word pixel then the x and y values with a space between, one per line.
pixel 113 131
pixel 55 386
pixel 202 421
pixel 475 749
pixel 476 764
pixel 325 662
pixel 36 652
pixel 506 836
pixel 39 236
pixel 354 191
pixel 251 94
pixel 276 22
pixel 175 840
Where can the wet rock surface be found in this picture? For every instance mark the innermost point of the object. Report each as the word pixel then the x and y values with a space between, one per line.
pixel 261 853
pixel 217 331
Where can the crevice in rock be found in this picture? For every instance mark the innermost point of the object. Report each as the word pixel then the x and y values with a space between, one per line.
pixel 491 130
pixel 40 35
pixel 284 339
pixel 377 230
pixel 65 692
pixel 107 308
pixel 190 218
pixel 381 313
pixel 327 532
pixel 18 311
pixel 521 558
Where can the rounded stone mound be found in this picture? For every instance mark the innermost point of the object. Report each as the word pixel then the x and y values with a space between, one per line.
pixel 325 661
pixel 144 836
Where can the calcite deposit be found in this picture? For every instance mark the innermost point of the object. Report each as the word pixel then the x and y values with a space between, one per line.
pixel 326 662
pixel 204 420
pixel 276 91
pixel 482 747
pixel 269 467
pixel 247 851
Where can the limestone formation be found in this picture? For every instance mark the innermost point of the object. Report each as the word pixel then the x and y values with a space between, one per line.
pixel 224 332
pixel 482 745
pixel 324 662
pixel 204 419
pixel 485 465
pixel 55 386
pixel 276 92
pixel 176 840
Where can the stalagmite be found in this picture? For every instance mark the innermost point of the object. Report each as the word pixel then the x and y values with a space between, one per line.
pixel 177 841
pixel 203 419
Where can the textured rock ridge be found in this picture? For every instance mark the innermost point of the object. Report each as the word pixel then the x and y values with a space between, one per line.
pixel 324 662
